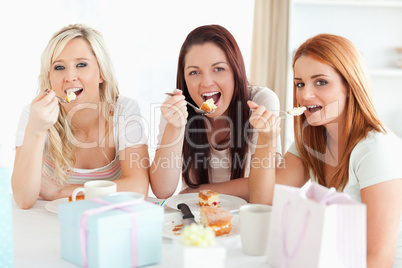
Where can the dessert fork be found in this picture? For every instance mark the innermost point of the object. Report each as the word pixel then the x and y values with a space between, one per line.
pixel 196 109
pixel 61 99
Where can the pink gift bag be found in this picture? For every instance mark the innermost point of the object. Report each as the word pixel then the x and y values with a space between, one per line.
pixel 316 227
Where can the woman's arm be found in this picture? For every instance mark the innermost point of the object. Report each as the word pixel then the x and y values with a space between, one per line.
pixel 237 187
pixel 292 176
pixel 263 174
pixel 167 165
pixel 384 208
pixel 27 173
pixel 134 162
pixel 263 162
pixel 135 170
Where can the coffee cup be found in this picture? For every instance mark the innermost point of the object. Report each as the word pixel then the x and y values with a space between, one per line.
pixel 254 228
pixel 96 188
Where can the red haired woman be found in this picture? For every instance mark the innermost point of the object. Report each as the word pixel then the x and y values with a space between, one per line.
pixel 340 142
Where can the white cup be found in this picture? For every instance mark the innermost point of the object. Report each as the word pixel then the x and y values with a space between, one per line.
pixel 134 195
pixel 93 189
pixel 254 228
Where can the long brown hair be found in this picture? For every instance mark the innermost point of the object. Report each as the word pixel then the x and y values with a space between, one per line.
pixel 196 145
pixel 361 116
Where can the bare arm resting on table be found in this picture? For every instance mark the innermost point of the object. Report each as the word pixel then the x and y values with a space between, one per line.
pixel 135 176
pixel 134 162
pixel 384 208
pixel 237 187
pixel 290 173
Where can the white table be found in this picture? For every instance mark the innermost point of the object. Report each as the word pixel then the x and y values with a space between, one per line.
pixel 37 242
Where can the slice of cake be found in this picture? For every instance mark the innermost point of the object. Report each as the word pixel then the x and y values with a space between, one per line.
pixel 208 198
pixel 208 106
pixel 219 219
pixel 70 96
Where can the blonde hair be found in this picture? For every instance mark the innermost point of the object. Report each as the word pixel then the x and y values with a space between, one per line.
pixel 61 134
pixel 361 116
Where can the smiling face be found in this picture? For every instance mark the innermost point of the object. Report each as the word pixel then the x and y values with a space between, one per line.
pixel 208 75
pixel 76 69
pixel 321 89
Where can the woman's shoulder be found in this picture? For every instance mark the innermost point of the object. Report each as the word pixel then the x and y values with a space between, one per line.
pixel 264 96
pixel 256 91
pixel 376 158
pixel 125 101
pixel 378 142
pixel 24 116
pixel 375 137
pixel 125 104
pixel 26 108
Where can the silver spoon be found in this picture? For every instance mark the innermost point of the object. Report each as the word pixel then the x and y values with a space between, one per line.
pixel 196 109
pixel 61 99
pixel 293 112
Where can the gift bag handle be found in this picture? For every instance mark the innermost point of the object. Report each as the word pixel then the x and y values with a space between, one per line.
pixel 285 218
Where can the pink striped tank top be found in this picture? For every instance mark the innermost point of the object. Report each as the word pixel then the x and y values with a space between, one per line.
pixel 111 171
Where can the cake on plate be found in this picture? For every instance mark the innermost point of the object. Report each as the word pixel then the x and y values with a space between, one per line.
pixel 208 198
pixel 219 219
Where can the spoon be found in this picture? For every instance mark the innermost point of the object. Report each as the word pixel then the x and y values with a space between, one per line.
pixel 196 109
pixel 61 99
pixel 293 112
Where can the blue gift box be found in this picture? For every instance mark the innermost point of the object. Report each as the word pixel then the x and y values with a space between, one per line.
pixel 6 220
pixel 109 233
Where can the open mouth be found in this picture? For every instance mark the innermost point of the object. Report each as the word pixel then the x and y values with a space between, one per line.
pixel 313 108
pixel 77 90
pixel 211 95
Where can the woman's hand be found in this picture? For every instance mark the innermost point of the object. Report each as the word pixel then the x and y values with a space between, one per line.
pixel 264 121
pixel 174 110
pixel 44 112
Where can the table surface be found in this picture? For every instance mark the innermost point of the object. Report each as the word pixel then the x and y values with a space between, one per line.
pixel 37 242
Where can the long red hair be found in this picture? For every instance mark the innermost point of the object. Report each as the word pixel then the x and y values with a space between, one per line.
pixel 361 116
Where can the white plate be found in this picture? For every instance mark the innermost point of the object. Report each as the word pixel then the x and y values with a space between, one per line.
pixel 53 205
pixel 175 219
pixel 229 202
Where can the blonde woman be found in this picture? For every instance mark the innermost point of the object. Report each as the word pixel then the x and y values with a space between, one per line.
pixel 340 142
pixel 99 135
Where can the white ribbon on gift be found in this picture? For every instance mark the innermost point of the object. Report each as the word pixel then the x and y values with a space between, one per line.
pixel 84 226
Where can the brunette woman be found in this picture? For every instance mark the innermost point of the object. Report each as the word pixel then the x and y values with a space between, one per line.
pixel 214 151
